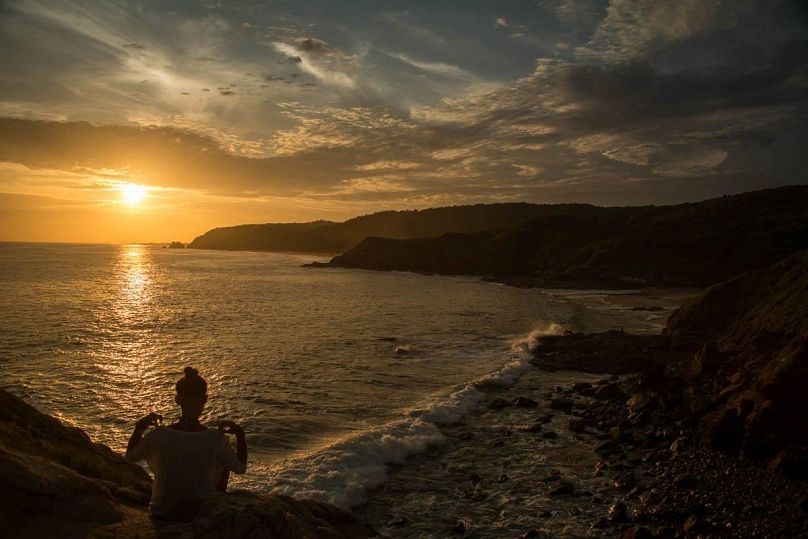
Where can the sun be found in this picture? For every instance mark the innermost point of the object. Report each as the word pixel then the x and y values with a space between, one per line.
pixel 132 193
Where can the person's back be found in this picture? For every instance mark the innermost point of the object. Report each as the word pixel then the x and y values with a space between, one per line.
pixel 189 461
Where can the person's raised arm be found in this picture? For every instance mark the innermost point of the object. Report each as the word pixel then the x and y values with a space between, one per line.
pixel 153 419
pixel 229 427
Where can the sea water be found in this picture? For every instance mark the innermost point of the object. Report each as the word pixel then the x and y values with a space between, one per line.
pixel 334 374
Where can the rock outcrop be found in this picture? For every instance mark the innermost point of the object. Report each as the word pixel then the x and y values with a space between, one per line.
pixel 55 482
pixel 733 361
pixel 747 370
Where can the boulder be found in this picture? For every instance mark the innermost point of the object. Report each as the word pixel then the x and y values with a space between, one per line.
pixel 618 512
pixel 531 427
pixel 563 404
pixel 636 532
pixel 639 402
pixel 563 487
pixel 578 424
pixel 611 392
pixel 723 430
pixel 499 404
pixel 25 430
pixel 459 528
pixel 525 402
pixel 692 525
pixel 792 462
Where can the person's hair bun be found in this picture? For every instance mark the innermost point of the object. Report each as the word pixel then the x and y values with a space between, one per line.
pixel 191 383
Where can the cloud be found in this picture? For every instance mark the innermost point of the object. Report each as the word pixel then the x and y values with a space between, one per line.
pixel 436 68
pixel 291 59
pixel 500 22
pixel 314 46
pixel 309 58
pixel 634 101
pixel 709 32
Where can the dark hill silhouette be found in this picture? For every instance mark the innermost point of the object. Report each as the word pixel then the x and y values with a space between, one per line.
pixel 330 237
pixel 692 245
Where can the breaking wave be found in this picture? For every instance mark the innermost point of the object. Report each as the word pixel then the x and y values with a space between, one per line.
pixel 344 472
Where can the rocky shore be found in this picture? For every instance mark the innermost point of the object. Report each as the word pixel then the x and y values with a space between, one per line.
pixel 698 432
pixel 55 482
pixel 669 481
pixel 564 454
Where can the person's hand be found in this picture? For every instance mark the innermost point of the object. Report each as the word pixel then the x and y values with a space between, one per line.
pixel 229 427
pixel 151 420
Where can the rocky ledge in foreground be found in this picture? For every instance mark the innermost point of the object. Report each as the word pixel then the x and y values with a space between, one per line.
pixel 55 482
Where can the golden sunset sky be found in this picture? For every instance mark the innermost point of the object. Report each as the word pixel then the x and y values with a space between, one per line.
pixel 275 111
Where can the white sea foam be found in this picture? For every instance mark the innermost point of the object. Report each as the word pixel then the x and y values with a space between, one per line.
pixel 344 472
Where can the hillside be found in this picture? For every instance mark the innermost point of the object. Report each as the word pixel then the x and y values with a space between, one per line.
pixel 689 245
pixel 706 427
pixel 55 482
pixel 329 237
pixel 747 377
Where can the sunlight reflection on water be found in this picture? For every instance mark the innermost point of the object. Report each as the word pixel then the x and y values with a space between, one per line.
pixel 98 334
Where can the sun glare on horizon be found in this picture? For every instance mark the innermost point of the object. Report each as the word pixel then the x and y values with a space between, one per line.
pixel 133 194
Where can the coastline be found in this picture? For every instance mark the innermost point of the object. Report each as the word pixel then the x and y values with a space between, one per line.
pixel 614 447
pixel 653 299
pixel 565 453
pixel 499 469
pixel 572 454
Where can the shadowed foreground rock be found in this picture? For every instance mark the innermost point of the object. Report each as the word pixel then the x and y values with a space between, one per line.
pixel 55 482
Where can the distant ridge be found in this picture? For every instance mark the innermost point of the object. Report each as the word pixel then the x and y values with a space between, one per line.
pixel 687 245
pixel 330 237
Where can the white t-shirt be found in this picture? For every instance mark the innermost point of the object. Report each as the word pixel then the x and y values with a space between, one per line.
pixel 186 466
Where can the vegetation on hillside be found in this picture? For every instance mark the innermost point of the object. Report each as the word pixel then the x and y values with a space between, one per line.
pixel 694 245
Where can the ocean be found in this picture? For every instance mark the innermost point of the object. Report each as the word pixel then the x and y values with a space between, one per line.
pixel 335 374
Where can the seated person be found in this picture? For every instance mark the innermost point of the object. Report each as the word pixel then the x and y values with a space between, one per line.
pixel 189 461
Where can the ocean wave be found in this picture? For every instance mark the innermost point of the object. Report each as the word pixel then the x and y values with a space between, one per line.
pixel 344 472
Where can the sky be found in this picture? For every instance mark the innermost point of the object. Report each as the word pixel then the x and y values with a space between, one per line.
pixel 247 111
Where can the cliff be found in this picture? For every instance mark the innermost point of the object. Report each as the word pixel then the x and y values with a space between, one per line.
pixel 685 245
pixel 732 363
pixel 329 237
pixel 55 482
pixel 748 367
pixel 705 430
